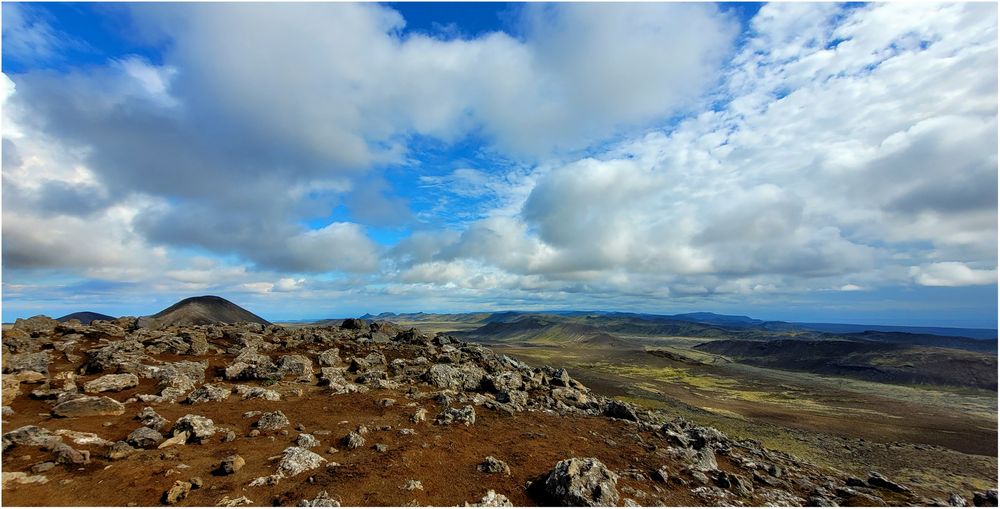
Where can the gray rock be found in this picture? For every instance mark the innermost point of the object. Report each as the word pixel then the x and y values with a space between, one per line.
pixel 298 366
pixel 144 438
pixel 250 392
pixel 493 465
pixel 150 419
pixel 956 500
pixel 207 393
pixel 330 357
pixel 353 440
pixel 250 364
pixel 37 362
pixel 704 460
pixel 582 482
pixel 119 450
pixel 272 421
pixel 33 436
pixel 87 406
pixel 986 498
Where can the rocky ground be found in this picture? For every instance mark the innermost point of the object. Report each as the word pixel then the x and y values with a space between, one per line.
pixel 249 414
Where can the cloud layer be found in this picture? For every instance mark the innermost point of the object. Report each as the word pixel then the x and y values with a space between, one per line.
pixel 640 154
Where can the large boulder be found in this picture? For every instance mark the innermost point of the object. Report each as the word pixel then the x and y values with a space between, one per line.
pixel 35 324
pixel 298 366
pixel 87 406
pixel 582 482
pixel 112 383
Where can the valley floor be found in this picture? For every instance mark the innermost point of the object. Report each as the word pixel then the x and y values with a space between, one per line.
pixel 933 435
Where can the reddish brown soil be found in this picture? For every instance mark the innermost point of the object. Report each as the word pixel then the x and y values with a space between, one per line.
pixel 443 458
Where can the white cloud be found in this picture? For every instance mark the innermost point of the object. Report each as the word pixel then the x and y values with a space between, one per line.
pixel 952 274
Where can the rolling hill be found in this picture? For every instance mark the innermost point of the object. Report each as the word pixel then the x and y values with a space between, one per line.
pixel 203 310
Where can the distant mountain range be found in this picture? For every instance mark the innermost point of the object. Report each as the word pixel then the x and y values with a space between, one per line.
pixel 726 321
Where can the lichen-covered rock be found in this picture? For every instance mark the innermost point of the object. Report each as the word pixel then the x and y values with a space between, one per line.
pixel 125 356
pixel 272 421
pixel 467 377
pixel 119 450
pixel 38 323
pixel 207 393
pixel 372 361
pixel 111 383
pixel 37 362
pixel 30 436
pixel 87 406
pixel 582 482
pixel 198 427
pixel 296 460
pixel 306 441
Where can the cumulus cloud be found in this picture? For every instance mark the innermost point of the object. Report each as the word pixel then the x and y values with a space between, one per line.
pixel 639 154
pixel 952 274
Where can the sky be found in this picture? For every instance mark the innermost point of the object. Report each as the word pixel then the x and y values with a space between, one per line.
pixel 802 162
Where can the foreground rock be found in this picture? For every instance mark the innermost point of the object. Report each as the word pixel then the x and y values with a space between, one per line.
pixel 582 482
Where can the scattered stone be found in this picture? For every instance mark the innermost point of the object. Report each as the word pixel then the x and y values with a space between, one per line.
pixel 419 416
pixel 9 478
pixel 306 441
pixel 386 402
pixel 231 464
pixel 196 483
pixel 87 406
pixel 330 357
pixel 582 482
pixel 353 440
pixel 412 485
pixel 179 491
pixel 493 465
pixel 112 383
pixel 380 447
pixel 272 421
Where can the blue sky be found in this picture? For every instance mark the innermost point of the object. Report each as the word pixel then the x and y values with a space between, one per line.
pixel 810 162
